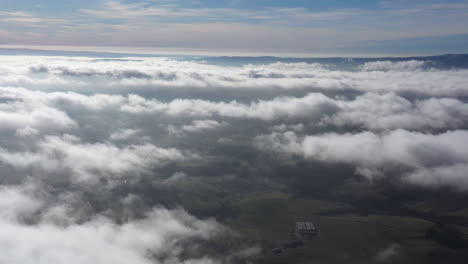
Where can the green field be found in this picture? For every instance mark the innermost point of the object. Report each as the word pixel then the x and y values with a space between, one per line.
pixel 265 217
pixel 349 238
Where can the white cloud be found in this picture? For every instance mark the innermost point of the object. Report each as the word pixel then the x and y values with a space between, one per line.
pixel 389 253
pixel 196 126
pixel 178 77
pixel 371 111
pixel 15 205
pixel 125 134
pixel 454 175
pixel 101 240
pixel 202 125
pixel 284 128
pixel 389 111
pixel 430 159
pixel 21 110
pixel 29 112
pixel 401 66
pixel 175 179
pixel 28 18
pixel 312 106
pixel 88 162
pixel 162 235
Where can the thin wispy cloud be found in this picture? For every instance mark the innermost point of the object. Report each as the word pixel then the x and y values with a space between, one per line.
pixel 276 28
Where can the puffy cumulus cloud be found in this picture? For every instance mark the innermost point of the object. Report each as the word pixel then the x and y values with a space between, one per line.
pixel 14 98
pixel 56 234
pixel 124 134
pixel 175 179
pixel 80 73
pixel 203 125
pixel 161 235
pixel 372 111
pixel 128 135
pixel 103 241
pixel 454 175
pixel 28 112
pixel 284 128
pixel 20 111
pixel 389 111
pixel 427 159
pixel 196 126
pixel 312 106
pixel 182 77
pixel 401 66
pixel 16 205
pixel 90 161
pixel 389 253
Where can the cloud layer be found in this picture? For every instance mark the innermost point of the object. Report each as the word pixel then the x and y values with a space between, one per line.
pixel 179 77
pixel 80 135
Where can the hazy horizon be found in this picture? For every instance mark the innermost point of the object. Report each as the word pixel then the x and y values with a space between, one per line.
pixel 142 51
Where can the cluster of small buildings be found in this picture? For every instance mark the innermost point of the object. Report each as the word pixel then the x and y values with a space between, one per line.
pixel 303 232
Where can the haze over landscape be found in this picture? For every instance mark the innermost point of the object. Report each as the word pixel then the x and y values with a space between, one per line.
pixel 171 131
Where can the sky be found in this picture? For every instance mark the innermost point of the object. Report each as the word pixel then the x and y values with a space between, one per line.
pixel 370 27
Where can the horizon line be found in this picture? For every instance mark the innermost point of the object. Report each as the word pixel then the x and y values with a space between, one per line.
pixel 159 51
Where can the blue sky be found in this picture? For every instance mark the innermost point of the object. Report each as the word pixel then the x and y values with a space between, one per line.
pixel 55 6
pixel 328 27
